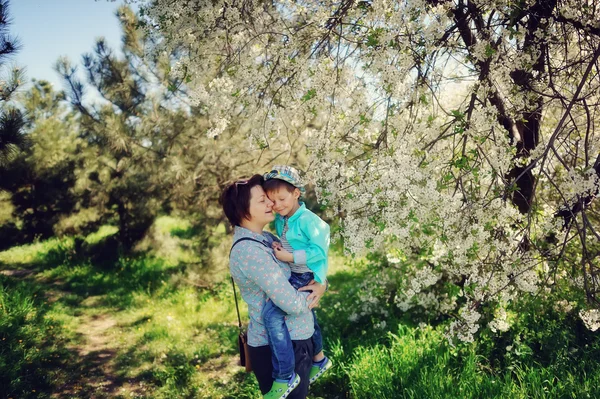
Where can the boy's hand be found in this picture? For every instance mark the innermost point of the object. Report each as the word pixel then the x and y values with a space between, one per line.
pixel 317 289
pixel 283 255
pixel 276 245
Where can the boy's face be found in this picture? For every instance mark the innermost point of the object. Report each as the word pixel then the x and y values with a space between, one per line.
pixel 285 203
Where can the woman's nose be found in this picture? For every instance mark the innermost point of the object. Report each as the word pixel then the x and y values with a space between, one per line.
pixel 269 203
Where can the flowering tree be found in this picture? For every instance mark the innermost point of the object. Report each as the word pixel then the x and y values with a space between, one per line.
pixel 460 131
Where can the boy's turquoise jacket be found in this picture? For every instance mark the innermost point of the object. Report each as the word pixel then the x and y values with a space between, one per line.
pixel 308 234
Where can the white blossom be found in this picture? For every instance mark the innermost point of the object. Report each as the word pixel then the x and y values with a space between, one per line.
pixel 591 318
pixel 407 141
pixel 500 322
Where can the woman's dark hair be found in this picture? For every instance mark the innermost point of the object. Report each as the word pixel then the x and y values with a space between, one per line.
pixel 235 199
pixel 277 184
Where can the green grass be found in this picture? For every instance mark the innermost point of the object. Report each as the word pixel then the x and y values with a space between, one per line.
pixel 176 339
pixel 418 363
pixel 552 356
pixel 172 339
pixel 101 234
pixel 32 339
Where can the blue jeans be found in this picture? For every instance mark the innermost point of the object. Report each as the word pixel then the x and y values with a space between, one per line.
pixel 279 336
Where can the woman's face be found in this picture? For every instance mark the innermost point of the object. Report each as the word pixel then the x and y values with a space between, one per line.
pixel 261 207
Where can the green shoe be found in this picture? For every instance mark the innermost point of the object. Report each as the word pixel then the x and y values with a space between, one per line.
pixel 281 390
pixel 317 371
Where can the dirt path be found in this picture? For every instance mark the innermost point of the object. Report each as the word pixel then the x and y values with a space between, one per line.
pixel 17 272
pixel 90 371
pixel 92 374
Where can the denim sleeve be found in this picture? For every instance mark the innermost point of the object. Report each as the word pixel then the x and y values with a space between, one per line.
pixel 259 266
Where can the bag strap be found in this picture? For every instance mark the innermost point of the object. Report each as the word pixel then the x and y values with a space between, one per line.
pixel 246 239
pixel 237 309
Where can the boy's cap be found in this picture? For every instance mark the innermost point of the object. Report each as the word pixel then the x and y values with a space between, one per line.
pixel 288 174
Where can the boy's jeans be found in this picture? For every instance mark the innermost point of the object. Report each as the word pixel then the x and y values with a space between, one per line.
pixel 279 336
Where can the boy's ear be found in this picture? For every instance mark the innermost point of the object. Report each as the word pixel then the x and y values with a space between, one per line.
pixel 296 193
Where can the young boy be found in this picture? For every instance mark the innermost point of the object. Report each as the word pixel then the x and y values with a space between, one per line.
pixel 304 245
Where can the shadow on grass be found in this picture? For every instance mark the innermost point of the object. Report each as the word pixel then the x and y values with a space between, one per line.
pixel 51 253
pixel 98 269
pixel 175 366
pixel 33 352
pixel 36 351
pixel 90 376
pixel 37 356
pixel 190 232
pixel 117 287
pixel 173 369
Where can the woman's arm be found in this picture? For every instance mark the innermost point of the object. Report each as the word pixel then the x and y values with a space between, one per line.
pixel 317 289
pixel 258 265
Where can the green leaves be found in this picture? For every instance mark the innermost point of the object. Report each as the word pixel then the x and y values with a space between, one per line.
pixel 373 37
pixel 309 95
pixel 458 115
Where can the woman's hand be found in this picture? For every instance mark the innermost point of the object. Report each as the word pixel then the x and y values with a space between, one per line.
pixel 284 255
pixel 317 289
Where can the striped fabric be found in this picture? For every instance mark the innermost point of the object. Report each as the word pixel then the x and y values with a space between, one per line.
pixel 296 268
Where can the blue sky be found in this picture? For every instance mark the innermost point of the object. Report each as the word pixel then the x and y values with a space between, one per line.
pixel 48 29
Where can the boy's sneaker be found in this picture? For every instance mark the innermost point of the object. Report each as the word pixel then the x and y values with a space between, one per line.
pixel 281 390
pixel 318 369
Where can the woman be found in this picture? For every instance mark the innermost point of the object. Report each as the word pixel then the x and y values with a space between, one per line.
pixel 262 277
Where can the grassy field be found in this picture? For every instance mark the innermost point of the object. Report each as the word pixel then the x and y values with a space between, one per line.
pixel 79 321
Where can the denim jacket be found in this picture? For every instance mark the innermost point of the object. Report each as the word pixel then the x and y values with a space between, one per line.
pixel 308 234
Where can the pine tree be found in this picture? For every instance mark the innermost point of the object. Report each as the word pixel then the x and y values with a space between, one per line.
pixel 41 177
pixel 11 120
pixel 131 129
